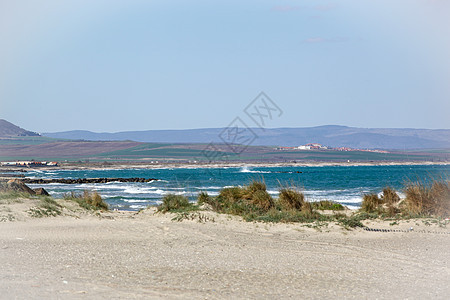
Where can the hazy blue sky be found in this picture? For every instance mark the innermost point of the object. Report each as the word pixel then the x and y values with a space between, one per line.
pixel 136 65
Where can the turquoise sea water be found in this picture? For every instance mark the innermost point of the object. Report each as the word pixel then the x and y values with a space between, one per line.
pixel 344 184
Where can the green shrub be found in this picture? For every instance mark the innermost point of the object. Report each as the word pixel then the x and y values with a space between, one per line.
pixel 327 205
pixel 352 222
pixel 172 202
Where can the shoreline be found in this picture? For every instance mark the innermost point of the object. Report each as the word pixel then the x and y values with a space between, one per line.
pixel 137 166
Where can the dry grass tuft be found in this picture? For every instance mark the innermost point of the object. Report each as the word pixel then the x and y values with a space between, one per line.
pixel 88 200
pixel 390 196
pixel 202 198
pixel 371 203
pixel 291 199
pixel 252 188
pixel 262 200
pixel 428 199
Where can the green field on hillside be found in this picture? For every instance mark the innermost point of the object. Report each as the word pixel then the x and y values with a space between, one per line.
pixel 42 148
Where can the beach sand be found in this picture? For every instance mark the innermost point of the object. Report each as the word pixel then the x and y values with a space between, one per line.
pixel 147 255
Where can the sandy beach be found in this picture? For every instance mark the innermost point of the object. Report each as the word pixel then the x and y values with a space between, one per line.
pixel 148 255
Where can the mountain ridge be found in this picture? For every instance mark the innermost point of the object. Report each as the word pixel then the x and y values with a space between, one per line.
pixel 8 129
pixel 329 135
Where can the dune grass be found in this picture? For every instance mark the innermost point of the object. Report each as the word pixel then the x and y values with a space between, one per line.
pixel 290 199
pixel 13 197
pixel 327 205
pixel 88 200
pixel 175 203
pixel 429 198
pixel 47 207
pixel 254 203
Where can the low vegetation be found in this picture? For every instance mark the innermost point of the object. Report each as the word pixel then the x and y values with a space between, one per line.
pixel 44 206
pixel 175 203
pixel 327 205
pixel 254 203
pixel 12 197
pixel 432 199
pixel 47 207
pixel 88 200
pixel 38 206
pixel 423 199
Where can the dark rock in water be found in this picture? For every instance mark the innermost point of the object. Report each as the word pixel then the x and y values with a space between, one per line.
pixel 12 170
pixel 12 175
pixel 85 180
pixel 41 191
pixel 15 185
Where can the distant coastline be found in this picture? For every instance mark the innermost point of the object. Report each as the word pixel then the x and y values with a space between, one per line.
pixel 144 165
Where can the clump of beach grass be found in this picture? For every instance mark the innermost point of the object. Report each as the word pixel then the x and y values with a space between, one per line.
pixel 262 200
pixel 173 203
pixel 203 198
pixel 387 204
pixel 391 201
pixel 371 203
pixel 88 200
pixel 291 199
pixel 390 196
pixel 428 199
pixel 254 203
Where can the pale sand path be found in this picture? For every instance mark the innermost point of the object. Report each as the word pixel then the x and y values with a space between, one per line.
pixel 147 256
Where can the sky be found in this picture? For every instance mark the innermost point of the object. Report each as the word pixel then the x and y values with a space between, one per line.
pixel 110 66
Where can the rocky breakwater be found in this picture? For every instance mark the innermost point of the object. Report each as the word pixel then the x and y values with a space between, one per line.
pixel 84 180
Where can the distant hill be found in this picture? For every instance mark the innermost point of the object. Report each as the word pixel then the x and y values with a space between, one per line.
pixel 329 135
pixel 8 129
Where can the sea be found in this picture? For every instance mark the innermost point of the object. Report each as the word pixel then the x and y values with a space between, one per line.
pixel 343 184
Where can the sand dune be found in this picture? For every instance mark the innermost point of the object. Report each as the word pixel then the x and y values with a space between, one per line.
pixel 147 255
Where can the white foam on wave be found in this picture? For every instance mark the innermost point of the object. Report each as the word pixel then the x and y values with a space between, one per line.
pixel 137 206
pixel 208 188
pixel 180 193
pixel 231 186
pixel 135 201
pixel 36 171
pixel 213 193
pixel 142 190
pixel 246 169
